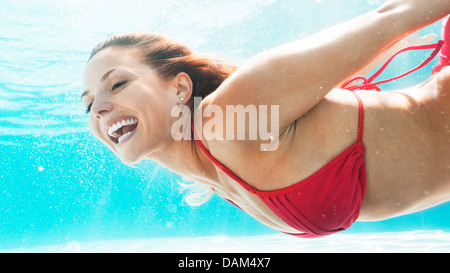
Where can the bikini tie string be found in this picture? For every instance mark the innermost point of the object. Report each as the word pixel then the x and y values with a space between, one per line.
pixel 369 85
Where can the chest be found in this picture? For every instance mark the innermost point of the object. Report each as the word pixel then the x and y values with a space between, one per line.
pixel 251 204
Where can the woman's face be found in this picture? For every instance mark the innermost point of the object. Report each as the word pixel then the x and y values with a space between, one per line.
pixel 129 104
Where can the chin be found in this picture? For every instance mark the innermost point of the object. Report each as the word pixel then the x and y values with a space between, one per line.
pixel 130 159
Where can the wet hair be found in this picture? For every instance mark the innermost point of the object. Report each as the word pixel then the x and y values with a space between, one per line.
pixel 168 58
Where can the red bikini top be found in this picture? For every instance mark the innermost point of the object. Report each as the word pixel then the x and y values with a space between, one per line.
pixel 326 202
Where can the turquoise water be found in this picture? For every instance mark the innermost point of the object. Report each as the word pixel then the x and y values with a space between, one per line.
pixel 62 190
pixel 385 242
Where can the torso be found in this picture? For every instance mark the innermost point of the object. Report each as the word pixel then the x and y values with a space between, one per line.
pixel 407 142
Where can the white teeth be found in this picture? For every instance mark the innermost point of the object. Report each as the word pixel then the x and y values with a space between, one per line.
pixel 120 124
pixel 123 136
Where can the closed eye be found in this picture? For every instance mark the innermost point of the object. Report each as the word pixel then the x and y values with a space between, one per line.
pixel 88 109
pixel 118 84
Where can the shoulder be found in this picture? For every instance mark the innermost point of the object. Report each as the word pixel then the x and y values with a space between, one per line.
pixel 247 127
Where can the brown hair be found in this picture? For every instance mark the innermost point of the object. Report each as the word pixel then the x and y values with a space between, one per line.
pixel 169 57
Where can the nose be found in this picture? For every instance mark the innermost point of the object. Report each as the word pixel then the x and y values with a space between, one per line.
pixel 100 108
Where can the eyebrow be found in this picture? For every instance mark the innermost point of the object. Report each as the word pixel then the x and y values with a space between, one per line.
pixel 85 93
pixel 108 73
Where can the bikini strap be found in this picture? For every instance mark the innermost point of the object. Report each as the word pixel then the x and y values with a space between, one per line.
pixel 361 117
pixel 219 165
pixel 368 84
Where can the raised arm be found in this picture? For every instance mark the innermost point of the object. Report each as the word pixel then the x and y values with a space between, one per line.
pixel 296 76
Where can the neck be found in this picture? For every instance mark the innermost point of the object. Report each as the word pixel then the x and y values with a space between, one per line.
pixel 187 159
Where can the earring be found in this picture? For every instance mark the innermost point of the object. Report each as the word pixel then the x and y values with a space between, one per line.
pixel 180 99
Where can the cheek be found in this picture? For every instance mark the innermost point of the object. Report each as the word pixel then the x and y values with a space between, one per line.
pixel 149 107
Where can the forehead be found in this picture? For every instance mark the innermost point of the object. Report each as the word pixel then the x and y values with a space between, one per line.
pixel 110 58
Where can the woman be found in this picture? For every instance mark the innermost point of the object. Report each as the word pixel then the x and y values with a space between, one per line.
pixel 340 156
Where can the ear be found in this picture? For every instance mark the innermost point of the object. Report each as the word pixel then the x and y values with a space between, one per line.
pixel 183 83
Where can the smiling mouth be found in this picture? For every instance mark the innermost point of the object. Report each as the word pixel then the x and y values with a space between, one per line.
pixel 121 130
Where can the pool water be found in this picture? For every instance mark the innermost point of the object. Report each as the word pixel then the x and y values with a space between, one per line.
pixel 384 242
pixel 61 190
